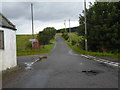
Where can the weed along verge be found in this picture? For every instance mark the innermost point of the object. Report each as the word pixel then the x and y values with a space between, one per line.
pixel 74 46
pixel 40 58
pixel 76 43
pixel 28 65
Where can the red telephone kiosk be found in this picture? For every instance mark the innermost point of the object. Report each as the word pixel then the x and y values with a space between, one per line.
pixel 35 44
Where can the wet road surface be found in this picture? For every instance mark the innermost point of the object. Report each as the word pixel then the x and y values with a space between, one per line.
pixel 65 69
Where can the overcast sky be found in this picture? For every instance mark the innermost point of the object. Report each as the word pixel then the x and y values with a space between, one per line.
pixel 46 14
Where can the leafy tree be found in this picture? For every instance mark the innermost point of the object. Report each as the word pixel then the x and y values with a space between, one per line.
pixel 46 35
pixel 102 26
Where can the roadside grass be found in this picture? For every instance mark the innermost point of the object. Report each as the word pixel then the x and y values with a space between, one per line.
pixel 100 54
pixel 76 49
pixel 22 41
pixel 73 36
pixel 59 34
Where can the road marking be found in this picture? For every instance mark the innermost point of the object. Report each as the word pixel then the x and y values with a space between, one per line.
pixel 101 60
pixel 29 65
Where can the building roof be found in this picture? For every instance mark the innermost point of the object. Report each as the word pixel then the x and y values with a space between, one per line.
pixel 5 23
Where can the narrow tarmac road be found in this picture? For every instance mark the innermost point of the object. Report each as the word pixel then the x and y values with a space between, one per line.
pixel 65 69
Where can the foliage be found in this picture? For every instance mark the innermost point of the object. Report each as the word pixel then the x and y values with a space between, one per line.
pixel 72 29
pixel 102 26
pixel 81 51
pixel 42 57
pixel 76 40
pixel 21 47
pixel 64 34
pixel 59 34
pixel 73 42
pixel 46 35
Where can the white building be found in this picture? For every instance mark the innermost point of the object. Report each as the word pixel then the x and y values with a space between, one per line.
pixel 7 44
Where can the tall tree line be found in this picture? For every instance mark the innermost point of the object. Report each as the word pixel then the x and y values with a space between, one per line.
pixel 103 24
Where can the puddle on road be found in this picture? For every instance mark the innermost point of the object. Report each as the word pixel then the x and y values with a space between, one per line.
pixel 92 72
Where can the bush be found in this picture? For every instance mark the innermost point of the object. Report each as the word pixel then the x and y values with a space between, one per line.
pixel 46 35
pixel 65 36
pixel 81 42
pixel 73 42
pixel 102 22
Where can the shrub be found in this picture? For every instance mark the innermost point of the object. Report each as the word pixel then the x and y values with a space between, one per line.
pixel 65 36
pixel 73 42
pixel 46 35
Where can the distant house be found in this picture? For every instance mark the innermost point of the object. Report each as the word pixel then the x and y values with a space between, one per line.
pixel 7 44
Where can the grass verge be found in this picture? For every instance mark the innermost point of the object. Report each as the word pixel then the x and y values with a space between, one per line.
pixel 22 40
pixel 59 34
pixel 80 51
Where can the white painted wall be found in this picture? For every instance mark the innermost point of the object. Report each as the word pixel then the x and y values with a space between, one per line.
pixel 8 54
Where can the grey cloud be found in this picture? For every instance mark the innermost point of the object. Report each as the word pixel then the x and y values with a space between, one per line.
pixel 14 10
pixel 45 14
pixel 57 11
pixel 42 11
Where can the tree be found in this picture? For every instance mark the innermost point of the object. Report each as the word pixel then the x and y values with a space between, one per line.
pixel 102 26
pixel 46 35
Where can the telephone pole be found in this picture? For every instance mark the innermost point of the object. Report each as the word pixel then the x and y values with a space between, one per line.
pixel 69 31
pixel 32 20
pixel 86 47
pixel 95 1
pixel 65 24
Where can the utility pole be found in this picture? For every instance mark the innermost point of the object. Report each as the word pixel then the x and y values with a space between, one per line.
pixel 69 31
pixel 65 24
pixel 95 1
pixel 86 47
pixel 32 20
